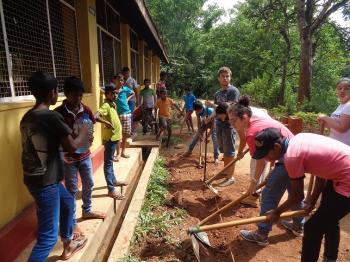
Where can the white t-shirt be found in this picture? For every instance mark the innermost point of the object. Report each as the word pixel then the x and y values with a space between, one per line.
pixel 342 137
pixel 259 113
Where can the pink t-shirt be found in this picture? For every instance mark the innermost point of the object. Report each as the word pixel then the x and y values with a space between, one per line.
pixel 320 156
pixel 258 124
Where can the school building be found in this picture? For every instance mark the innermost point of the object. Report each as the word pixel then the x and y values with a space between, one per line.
pixel 91 39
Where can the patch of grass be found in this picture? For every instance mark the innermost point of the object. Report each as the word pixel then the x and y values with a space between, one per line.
pixel 174 140
pixel 151 219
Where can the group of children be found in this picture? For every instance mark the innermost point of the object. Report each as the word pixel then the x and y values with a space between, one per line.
pixel 70 127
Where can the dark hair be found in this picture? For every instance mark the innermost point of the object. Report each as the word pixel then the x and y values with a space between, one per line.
pixel 241 108
pixel 197 105
pixel 41 84
pixel 109 88
pixel 162 91
pixel 221 108
pixel 118 76
pixel 146 80
pixel 71 84
pixel 125 69
pixel 162 73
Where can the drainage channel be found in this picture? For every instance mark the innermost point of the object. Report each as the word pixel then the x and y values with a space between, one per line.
pixel 117 245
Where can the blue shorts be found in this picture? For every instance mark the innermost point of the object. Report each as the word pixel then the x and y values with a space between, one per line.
pixel 226 136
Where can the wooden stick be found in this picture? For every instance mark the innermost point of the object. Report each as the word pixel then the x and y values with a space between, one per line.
pixel 225 168
pixel 227 206
pixel 200 153
pixel 246 221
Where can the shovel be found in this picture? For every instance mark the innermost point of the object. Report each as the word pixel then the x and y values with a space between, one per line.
pixel 200 165
pixel 208 182
pixel 194 231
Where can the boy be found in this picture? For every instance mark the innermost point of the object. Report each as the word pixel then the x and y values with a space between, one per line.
pixel 111 134
pixel 329 161
pixel 147 101
pixel 202 113
pixel 163 105
pixel 43 133
pixel 124 95
pixel 73 111
pixel 225 133
pixel 189 98
pixel 160 85
pixel 132 84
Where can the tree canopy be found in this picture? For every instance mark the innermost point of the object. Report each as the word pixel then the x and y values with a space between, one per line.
pixel 263 46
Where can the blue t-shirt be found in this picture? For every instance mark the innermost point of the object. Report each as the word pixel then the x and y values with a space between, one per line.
pixel 189 99
pixel 207 111
pixel 231 94
pixel 122 100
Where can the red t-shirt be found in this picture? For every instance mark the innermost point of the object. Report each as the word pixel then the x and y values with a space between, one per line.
pixel 320 156
pixel 71 119
pixel 258 124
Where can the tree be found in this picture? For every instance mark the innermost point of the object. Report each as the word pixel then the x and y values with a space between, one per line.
pixel 311 15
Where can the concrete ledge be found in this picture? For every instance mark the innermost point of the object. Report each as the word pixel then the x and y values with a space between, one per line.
pixel 99 232
pixel 121 245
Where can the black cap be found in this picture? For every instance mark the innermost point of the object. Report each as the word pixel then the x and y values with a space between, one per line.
pixel 265 140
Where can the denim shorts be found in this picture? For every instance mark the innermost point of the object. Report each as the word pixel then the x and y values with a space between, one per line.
pixel 226 136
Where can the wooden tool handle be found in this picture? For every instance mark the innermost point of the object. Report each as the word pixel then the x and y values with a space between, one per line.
pixel 225 168
pixel 246 221
pixel 232 203
pixel 322 128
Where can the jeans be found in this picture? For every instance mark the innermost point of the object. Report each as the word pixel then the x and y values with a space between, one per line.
pixel 325 221
pixel 272 193
pixel 226 138
pixel 84 167
pixel 110 147
pixel 146 118
pixel 54 205
pixel 213 138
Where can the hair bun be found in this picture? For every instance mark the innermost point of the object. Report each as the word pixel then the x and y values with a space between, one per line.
pixel 244 101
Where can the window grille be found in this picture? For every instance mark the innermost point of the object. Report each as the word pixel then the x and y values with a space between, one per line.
pixel 41 35
pixel 133 41
pixel 146 63
pixel 109 46
pixel 135 65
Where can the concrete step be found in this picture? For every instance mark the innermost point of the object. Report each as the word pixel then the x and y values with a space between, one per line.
pixel 100 233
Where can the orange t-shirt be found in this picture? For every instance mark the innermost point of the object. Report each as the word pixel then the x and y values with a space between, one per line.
pixel 164 107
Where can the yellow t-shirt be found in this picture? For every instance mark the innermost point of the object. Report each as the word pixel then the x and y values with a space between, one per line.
pixel 164 107
pixel 109 113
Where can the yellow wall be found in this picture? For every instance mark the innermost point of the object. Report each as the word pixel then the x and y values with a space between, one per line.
pixel 14 196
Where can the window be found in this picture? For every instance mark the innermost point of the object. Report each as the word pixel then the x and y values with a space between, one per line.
pixel 134 54
pixel 109 46
pixel 41 35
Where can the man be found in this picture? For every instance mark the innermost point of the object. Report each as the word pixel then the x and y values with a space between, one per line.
pixel 329 161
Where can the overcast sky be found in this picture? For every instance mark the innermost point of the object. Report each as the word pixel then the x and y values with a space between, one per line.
pixel 228 4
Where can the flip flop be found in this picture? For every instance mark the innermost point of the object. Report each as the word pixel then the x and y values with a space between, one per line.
pixel 125 156
pixel 116 196
pixel 76 245
pixel 93 215
pixel 78 234
pixel 121 183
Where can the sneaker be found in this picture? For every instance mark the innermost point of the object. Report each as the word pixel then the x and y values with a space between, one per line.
pixel 216 162
pixel 227 182
pixel 254 237
pixel 325 259
pixel 296 230
pixel 250 201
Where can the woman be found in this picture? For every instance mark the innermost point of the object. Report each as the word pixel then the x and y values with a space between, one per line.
pixel 241 118
pixel 339 125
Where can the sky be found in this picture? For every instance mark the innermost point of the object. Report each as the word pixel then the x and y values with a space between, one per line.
pixel 228 4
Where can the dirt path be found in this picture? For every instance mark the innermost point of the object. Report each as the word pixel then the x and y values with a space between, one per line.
pixel 186 191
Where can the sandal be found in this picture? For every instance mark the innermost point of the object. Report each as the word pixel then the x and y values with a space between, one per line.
pixel 121 183
pixel 74 246
pixel 125 155
pixel 115 159
pixel 116 195
pixel 93 215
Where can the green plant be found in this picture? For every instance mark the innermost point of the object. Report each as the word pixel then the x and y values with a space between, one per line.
pixel 151 219
pixel 130 258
